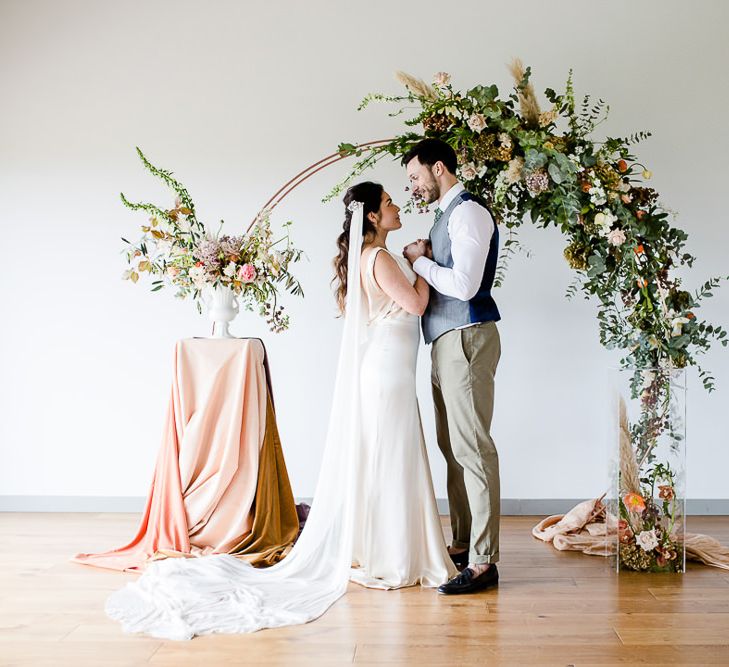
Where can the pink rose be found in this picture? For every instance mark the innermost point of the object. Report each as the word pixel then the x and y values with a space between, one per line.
pixel 247 273
pixel 616 237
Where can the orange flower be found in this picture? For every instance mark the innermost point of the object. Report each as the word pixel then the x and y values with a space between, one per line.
pixel 642 282
pixel 665 491
pixel 690 315
pixel 634 502
pixel 622 166
pixel 639 214
pixel 639 249
pixel 586 187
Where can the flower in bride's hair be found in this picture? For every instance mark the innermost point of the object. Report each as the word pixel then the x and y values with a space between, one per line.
pixel 477 122
pixel 441 78
pixel 247 273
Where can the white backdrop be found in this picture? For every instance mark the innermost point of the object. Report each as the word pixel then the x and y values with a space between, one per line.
pixel 236 98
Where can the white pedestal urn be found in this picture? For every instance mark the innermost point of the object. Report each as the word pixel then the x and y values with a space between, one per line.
pixel 222 307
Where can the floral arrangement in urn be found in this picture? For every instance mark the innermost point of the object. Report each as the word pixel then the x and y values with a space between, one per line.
pixel 181 253
pixel 649 527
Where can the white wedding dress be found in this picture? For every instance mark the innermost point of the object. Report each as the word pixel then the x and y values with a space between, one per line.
pixel 373 519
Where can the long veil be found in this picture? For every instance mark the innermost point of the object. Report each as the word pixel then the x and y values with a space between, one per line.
pixel 179 598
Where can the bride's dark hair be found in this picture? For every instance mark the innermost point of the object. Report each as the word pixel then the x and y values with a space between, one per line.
pixel 370 194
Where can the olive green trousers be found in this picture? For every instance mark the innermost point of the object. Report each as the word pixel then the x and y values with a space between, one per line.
pixel 463 369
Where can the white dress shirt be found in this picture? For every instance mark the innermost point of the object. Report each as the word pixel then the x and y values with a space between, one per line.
pixel 470 228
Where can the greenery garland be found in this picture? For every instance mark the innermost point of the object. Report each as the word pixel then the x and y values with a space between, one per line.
pixel 545 165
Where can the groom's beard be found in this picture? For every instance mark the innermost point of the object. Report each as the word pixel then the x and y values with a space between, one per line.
pixel 430 193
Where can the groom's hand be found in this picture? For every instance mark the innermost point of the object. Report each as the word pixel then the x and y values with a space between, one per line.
pixel 417 249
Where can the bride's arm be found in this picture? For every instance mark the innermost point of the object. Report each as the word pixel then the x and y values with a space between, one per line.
pixel 392 281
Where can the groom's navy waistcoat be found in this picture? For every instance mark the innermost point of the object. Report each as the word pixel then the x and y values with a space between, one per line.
pixel 445 313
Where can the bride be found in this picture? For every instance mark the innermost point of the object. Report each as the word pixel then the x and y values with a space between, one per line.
pixel 374 518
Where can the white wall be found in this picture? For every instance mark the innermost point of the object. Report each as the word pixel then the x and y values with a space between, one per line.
pixel 236 98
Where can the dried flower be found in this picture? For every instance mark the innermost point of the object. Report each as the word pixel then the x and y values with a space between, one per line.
pixel 514 170
pixel 577 255
pixel 666 492
pixel 634 558
pixel 416 86
pixel 441 78
pixel 548 117
pixel 438 122
pixel 537 182
pixel 625 534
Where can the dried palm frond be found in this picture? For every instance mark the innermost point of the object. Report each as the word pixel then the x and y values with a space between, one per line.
pixel 629 470
pixel 527 98
pixel 416 86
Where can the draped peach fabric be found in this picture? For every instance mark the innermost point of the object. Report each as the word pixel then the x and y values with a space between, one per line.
pixel 220 451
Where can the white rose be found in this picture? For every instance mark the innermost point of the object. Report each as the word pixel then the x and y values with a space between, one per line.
pixel 441 78
pixel 477 122
pixel 468 171
pixel 647 540
pixel 230 269
pixel 616 237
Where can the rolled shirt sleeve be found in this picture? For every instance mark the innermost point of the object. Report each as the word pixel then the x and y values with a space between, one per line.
pixel 470 228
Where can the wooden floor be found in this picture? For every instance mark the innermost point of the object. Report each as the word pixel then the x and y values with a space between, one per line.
pixel 550 609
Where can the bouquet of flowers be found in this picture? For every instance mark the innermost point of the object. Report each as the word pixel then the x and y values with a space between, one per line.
pixel 181 253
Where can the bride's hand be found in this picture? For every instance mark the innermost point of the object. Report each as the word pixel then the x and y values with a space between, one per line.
pixel 417 249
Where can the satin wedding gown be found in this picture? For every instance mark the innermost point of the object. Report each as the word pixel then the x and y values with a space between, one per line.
pixel 373 519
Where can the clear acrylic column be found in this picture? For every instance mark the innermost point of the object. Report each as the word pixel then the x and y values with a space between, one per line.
pixel 647 436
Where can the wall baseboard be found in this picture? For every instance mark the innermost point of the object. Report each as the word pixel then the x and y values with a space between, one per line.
pixel 132 504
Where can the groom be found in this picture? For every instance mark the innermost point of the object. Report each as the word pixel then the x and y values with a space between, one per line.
pixel 459 263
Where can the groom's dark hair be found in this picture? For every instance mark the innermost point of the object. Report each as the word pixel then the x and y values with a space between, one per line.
pixel 430 151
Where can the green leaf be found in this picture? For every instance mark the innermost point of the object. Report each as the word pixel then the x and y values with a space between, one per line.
pixel 554 172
